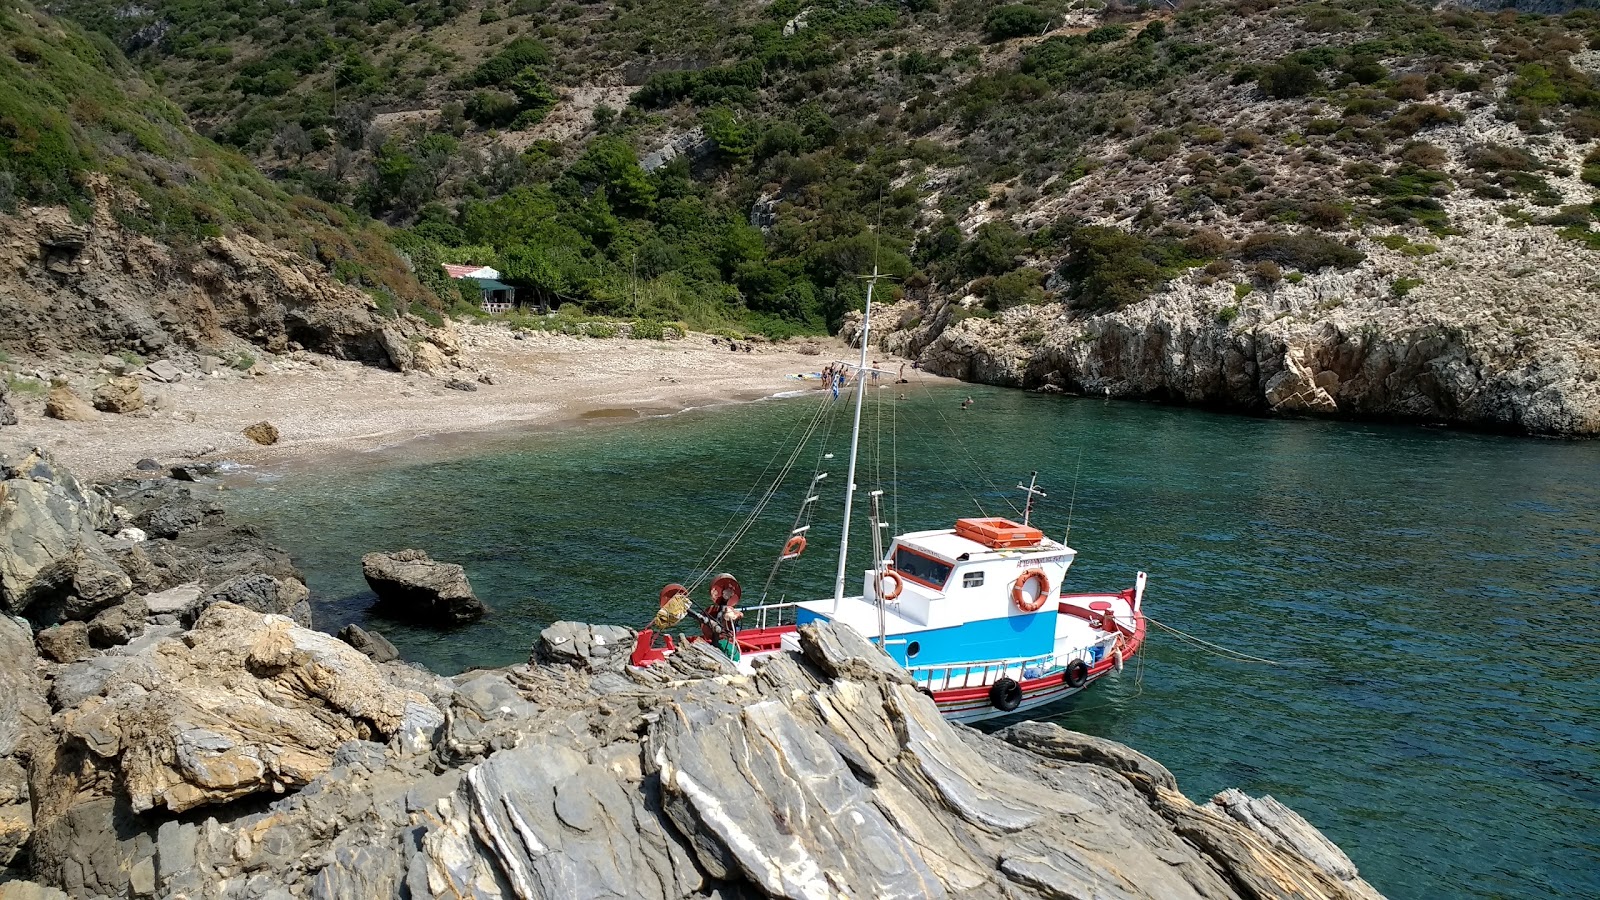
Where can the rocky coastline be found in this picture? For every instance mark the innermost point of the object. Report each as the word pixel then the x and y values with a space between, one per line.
pixel 172 725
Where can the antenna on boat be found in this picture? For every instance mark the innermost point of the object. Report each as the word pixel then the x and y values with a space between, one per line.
pixel 855 438
pixel 1031 489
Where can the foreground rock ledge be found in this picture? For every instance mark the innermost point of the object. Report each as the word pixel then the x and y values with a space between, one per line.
pixel 568 781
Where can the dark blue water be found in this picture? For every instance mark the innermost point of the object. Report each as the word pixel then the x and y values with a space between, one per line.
pixel 1432 598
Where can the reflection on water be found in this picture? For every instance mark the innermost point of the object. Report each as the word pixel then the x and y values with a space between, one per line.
pixel 1432 599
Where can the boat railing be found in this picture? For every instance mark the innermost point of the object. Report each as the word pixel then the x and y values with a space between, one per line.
pixel 986 672
pixel 771 615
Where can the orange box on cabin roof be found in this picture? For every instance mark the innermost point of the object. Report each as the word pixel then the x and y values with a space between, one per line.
pixel 998 533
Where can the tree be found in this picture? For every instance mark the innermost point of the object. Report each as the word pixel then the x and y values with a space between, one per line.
pixel 609 165
pixel 735 141
pixel 292 140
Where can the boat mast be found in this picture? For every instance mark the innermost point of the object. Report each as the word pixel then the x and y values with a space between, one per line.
pixel 855 439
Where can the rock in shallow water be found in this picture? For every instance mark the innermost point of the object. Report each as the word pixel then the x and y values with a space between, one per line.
pixel 373 645
pixel 411 586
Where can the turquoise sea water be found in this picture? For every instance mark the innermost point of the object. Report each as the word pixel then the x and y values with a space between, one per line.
pixel 1432 597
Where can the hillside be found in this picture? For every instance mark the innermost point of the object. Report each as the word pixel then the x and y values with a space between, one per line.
pixel 733 164
pixel 126 232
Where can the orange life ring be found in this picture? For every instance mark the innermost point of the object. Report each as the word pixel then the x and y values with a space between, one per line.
pixel 1020 596
pixel 794 546
pixel 899 584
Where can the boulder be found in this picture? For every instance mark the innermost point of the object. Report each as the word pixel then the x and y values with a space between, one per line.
pixel 263 433
pixel 119 395
pixel 375 646
pixel 260 593
pixel 428 358
pixel 67 406
pixel 23 714
pixel 180 514
pixel 177 604
pixel 598 648
pixel 411 586
pixel 245 703
pixel 397 348
pixel 162 370
pixel 52 567
pixel 65 643
pixel 119 624
pixel 148 465
pixel 461 384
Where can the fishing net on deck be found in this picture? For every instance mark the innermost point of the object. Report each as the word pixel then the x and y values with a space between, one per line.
pixel 671 612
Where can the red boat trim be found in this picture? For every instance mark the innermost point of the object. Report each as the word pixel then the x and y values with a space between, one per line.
pixel 976 696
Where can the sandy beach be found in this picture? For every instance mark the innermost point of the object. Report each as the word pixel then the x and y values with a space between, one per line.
pixel 326 407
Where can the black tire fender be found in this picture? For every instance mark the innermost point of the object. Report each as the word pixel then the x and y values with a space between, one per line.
pixel 1077 673
pixel 1005 695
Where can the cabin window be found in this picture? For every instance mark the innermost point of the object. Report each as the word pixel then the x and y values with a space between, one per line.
pixel 972 579
pixel 922 569
pixel 912 649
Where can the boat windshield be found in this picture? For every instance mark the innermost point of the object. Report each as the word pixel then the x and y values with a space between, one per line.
pixel 930 572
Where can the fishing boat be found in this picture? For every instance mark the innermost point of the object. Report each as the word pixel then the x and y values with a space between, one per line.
pixel 976 613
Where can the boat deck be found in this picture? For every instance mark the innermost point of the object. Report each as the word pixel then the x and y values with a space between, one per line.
pixel 862 616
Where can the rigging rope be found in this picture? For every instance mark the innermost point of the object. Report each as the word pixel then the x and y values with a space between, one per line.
pixel 761 504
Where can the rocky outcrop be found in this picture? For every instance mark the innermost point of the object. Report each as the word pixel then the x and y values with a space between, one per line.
pixel 52 564
pixel 826 774
pixel 244 703
pixel 1484 350
pixel 22 713
pixel 287 597
pixel 98 287
pixel 411 586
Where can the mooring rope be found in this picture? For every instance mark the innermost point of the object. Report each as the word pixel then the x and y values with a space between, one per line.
pixel 1218 649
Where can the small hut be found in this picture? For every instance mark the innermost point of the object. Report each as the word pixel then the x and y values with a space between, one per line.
pixel 496 296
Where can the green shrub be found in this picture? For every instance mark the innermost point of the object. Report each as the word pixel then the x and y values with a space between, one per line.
pixel 1404 286
pixel 1309 252
pixel 1228 314
pixel 1017 288
pixel 1013 21
pixel 1289 78
pixel 1108 268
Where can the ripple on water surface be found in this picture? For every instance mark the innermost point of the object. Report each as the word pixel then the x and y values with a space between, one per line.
pixel 1431 596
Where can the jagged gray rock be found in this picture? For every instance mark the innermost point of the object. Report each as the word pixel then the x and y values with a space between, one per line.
pixel 261 593
pixel 8 416
pixel 593 647
pixel 52 567
pixel 410 585
pixel 22 714
pixel 373 645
